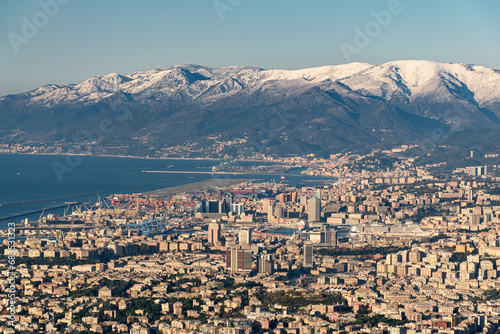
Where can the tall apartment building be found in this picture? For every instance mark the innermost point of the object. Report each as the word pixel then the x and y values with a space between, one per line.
pixel 331 237
pixel 266 264
pixel 245 236
pixel 308 255
pixel 238 259
pixel 314 209
pixel 213 233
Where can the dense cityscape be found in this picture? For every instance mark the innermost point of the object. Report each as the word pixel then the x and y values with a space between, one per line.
pixel 250 167
pixel 381 248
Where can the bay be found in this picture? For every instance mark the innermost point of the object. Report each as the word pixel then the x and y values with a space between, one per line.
pixel 33 182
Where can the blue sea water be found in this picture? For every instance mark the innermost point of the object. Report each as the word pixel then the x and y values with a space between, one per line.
pixel 33 182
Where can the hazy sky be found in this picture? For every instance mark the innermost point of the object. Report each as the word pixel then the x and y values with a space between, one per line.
pixel 83 38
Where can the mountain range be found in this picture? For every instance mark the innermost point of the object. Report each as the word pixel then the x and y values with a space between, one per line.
pixel 194 110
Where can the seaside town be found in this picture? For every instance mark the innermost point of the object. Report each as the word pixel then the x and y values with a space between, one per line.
pixel 387 246
pixel 250 167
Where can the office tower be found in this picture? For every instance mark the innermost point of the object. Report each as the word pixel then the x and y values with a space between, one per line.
pixel 308 255
pixel 200 206
pixel 270 214
pixel 238 259
pixel 303 200
pixel 317 193
pixel 222 207
pixel 245 260
pixel 245 236
pixel 313 209
pixel 331 237
pixel 232 257
pixel 279 212
pixel 213 233
pixel 237 208
pixel 266 264
pixel 294 197
pixel 213 206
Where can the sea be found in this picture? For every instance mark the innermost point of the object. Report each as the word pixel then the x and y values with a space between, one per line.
pixel 32 185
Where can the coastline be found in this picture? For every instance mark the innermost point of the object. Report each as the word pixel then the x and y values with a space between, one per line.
pixel 112 156
pixel 21 204
pixel 140 157
pixel 210 173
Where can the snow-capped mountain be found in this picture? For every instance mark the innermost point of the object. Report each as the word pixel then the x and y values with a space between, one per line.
pixel 329 108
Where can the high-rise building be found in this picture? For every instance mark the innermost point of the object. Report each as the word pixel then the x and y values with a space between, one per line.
pixel 270 214
pixel 200 206
pixel 308 255
pixel 245 260
pixel 213 206
pixel 237 208
pixel 331 237
pixel 314 209
pixel 223 206
pixel 470 195
pixel 238 259
pixel 266 264
pixel 245 236
pixel 279 211
pixel 232 257
pixel 213 233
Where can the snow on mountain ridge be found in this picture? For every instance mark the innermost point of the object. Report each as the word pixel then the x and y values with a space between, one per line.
pixel 420 78
pixel 407 79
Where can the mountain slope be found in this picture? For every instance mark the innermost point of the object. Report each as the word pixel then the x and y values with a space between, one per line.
pixel 235 110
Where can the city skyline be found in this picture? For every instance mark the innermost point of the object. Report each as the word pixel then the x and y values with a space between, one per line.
pixel 250 167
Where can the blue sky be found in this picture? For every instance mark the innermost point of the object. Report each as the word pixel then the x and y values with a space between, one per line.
pixel 83 38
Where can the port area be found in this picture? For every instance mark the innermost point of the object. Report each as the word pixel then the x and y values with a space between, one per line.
pixel 141 213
